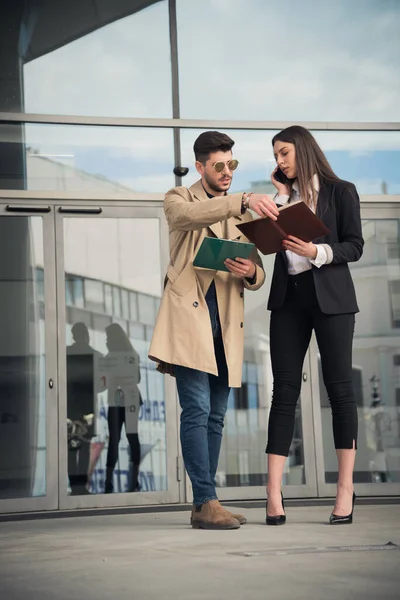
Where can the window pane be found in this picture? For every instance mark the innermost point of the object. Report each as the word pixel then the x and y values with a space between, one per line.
pixel 133 306
pixel 301 61
pixel 94 295
pixel 108 299
pixel 117 301
pixel 394 290
pixel 23 379
pixel 241 462
pixel 69 158
pixel 116 419
pixel 370 160
pixel 125 303
pixel 93 60
pixel 147 311
pixel 376 374
pixel 74 291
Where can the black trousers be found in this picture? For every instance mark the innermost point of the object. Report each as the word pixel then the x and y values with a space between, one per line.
pixel 116 418
pixel 291 327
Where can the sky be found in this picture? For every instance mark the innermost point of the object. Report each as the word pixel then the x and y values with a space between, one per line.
pixel 239 60
pixel 142 159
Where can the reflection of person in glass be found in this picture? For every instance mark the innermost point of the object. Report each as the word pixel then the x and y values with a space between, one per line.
pixel 312 289
pixel 80 405
pixel 375 419
pixel 199 330
pixel 122 373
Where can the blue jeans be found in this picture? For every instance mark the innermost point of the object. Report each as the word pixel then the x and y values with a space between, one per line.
pixel 204 400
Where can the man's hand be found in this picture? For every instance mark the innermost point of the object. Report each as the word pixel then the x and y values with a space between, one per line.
pixel 307 249
pixel 263 205
pixel 242 267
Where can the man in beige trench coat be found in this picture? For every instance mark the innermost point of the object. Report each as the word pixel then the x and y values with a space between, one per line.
pixel 198 336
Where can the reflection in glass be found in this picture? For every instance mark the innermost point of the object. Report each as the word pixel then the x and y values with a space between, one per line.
pixel 108 299
pixel 71 158
pixel 369 159
pixel 147 312
pixel 133 306
pixel 94 295
pixel 115 398
pixel 242 460
pixel 376 360
pixel 116 301
pixel 125 304
pixel 87 61
pixel 327 71
pixel 22 359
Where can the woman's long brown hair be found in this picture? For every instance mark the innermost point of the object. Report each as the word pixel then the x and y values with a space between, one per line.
pixel 310 160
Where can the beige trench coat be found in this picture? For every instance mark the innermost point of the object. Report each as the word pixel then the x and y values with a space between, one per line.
pixel 182 333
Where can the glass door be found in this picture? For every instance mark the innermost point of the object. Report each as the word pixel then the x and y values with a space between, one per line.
pixel 28 367
pixel 376 365
pixel 118 439
pixel 242 469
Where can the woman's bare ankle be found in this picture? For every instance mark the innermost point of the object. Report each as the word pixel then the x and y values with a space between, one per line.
pixel 345 487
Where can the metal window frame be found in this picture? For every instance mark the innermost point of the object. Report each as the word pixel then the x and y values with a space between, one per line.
pixel 50 119
pixel 50 500
pixel 175 491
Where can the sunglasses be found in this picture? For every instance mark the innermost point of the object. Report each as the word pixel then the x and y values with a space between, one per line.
pixel 219 166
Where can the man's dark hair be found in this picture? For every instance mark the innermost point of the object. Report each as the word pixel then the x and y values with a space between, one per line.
pixel 211 141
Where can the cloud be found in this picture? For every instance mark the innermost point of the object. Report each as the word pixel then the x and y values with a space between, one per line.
pixel 238 60
pixel 122 69
pixel 291 61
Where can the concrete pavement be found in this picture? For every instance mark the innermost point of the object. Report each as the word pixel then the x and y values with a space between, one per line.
pixel 158 556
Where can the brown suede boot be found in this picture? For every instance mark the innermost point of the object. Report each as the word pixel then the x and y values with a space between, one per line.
pixel 211 515
pixel 241 518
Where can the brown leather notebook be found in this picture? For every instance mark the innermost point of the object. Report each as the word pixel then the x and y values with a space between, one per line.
pixel 294 219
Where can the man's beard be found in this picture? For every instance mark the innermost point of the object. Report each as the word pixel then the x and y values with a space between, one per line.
pixel 214 186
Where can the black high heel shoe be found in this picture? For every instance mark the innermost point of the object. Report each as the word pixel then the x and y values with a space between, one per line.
pixel 279 520
pixel 346 520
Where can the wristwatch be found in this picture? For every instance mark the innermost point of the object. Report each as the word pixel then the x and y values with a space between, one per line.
pixel 245 202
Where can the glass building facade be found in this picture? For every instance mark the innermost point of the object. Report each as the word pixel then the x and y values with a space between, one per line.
pixel 99 102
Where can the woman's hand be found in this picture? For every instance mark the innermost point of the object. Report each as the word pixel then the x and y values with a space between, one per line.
pixel 283 189
pixel 307 249
pixel 242 267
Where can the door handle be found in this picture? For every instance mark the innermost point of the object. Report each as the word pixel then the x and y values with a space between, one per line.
pixel 51 383
pixel 75 210
pixel 18 208
pixel 304 376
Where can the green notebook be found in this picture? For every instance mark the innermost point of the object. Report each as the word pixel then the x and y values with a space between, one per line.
pixel 214 251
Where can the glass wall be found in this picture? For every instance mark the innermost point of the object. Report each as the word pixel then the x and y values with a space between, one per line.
pixel 292 61
pixel 22 359
pixel 243 461
pixel 369 159
pixel 70 158
pixel 376 359
pixel 81 59
pixel 115 398
pixel 257 60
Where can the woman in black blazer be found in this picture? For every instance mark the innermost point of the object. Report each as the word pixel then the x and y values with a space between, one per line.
pixel 312 289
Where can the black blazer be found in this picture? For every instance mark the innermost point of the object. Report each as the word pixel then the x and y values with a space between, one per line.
pixel 338 207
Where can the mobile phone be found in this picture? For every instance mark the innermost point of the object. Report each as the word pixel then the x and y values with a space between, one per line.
pixel 280 176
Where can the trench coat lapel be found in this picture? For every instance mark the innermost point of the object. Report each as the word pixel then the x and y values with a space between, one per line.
pixel 200 195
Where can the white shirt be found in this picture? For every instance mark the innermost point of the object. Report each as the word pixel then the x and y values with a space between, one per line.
pixel 299 264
